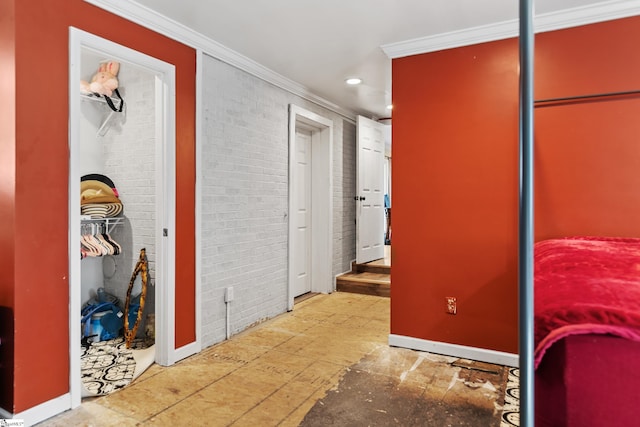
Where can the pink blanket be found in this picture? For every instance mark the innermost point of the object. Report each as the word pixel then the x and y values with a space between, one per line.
pixel 586 285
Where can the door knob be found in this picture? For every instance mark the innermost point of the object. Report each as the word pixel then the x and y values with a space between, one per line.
pixel 356 198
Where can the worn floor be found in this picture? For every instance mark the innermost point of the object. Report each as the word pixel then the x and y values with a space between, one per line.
pixel 325 363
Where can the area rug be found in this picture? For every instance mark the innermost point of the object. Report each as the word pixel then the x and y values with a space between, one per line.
pixel 108 366
pixel 511 408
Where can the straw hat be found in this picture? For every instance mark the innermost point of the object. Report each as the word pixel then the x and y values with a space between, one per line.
pixel 102 178
pixel 95 211
pixel 94 191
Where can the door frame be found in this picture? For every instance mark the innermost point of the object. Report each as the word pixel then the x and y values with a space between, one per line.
pixel 165 197
pixel 321 128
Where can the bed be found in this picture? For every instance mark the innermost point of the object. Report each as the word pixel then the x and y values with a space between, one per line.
pixel 587 331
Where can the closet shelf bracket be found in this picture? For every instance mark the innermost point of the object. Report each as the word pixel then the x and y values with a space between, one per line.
pixel 104 127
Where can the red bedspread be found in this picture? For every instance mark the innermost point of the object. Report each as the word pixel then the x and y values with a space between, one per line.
pixel 586 285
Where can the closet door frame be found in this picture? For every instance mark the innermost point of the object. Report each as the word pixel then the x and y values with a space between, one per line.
pixel 165 197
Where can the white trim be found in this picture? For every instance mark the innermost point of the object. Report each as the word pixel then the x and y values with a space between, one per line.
pixel 76 38
pixel 322 200
pixel 465 37
pixel 198 198
pixel 165 210
pixel 456 350
pixel 186 350
pixel 5 414
pixel 40 412
pixel 583 15
pixel 148 18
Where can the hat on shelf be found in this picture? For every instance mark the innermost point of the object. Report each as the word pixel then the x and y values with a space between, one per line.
pixel 93 191
pixel 95 211
pixel 102 178
pixel 101 210
pixel 99 197
pixel 113 209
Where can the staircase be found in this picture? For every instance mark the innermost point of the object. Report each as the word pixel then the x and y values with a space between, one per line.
pixel 373 278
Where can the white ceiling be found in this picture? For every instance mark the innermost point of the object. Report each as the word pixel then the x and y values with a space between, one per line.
pixel 318 44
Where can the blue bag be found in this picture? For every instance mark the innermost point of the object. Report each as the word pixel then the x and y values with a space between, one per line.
pixel 101 321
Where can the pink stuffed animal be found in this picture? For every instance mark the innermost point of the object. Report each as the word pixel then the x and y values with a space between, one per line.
pixel 104 81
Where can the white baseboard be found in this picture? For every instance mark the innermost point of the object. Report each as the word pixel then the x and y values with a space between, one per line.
pixel 40 412
pixel 5 415
pixel 456 350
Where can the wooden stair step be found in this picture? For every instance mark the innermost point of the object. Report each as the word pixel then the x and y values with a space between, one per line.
pixel 365 283
pixel 371 268
pixel 366 277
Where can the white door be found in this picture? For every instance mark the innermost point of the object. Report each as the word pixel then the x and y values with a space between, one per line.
pixel 310 248
pixel 370 196
pixel 302 213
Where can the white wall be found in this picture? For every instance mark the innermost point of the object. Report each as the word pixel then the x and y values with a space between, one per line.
pixel 245 197
pixel 344 217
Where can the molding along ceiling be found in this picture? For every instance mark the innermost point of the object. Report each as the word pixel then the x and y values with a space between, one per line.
pixel 310 48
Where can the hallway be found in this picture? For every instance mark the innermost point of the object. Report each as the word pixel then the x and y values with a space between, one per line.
pixel 297 368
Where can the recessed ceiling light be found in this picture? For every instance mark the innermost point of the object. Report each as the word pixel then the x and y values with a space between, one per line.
pixel 390 107
pixel 353 81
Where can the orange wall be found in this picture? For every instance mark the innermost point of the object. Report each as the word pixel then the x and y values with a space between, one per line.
pixel 7 151
pixel 40 281
pixel 588 154
pixel 455 183
pixel 7 194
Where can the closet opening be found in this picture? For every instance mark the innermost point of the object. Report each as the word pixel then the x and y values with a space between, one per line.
pixel 121 214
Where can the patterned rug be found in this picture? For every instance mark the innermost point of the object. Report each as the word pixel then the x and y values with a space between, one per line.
pixel 511 409
pixel 107 366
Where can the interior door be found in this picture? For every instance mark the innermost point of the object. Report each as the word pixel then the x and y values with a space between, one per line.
pixel 370 196
pixel 302 213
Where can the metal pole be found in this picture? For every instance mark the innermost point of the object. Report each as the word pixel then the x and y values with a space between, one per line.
pixel 525 255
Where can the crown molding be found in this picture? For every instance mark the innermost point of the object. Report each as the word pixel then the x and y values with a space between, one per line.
pixel 598 12
pixel 148 18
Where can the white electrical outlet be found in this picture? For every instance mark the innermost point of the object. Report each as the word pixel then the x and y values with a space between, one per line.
pixel 228 294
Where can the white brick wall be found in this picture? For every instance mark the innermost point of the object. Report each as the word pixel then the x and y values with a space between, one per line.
pixel 129 156
pixel 245 190
pixel 344 225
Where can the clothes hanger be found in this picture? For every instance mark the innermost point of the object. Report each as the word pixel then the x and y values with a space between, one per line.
pixel 116 246
pixel 90 242
pixel 110 248
pixel 95 242
pixel 89 247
